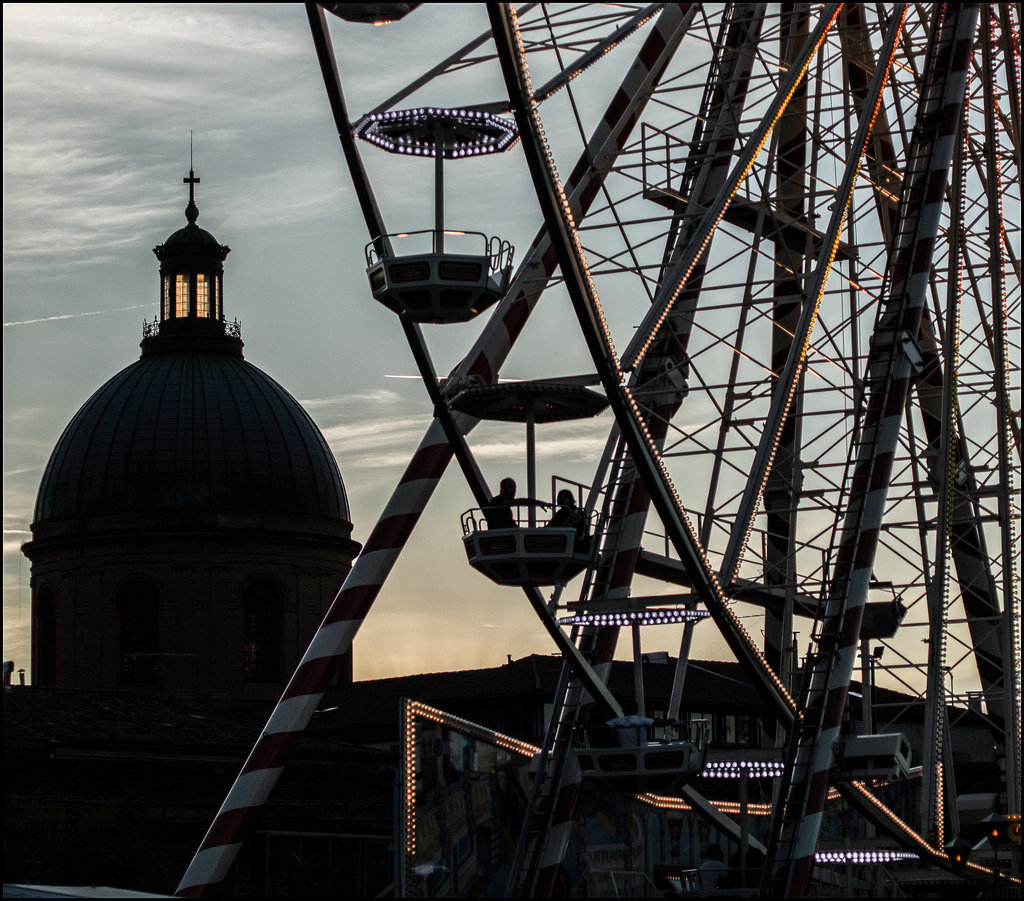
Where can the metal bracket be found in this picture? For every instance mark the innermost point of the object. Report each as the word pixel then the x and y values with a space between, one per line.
pixel 913 351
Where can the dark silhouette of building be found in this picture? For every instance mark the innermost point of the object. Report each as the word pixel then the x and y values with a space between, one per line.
pixel 117 788
pixel 191 527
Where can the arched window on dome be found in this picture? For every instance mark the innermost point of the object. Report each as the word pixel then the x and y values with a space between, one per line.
pixel 261 631
pixel 137 608
pixel 44 670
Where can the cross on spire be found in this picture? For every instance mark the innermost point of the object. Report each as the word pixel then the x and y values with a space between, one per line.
pixel 191 211
pixel 191 181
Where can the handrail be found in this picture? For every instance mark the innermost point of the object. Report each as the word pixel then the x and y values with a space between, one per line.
pixel 475 519
pixel 695 732
pixel 501 255
pixel 499 252
pixel 151 328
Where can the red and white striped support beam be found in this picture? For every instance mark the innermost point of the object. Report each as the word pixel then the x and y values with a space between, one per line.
pixel 657 369
pixel 974 576
pixel 777 444
pixel 658 373
pixel 384 545
pixel 967 541
pixel 791 855
pixel 315 671
pixel 544 858
pixel 547 835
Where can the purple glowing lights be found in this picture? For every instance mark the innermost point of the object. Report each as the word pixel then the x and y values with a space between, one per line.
pixel 420 132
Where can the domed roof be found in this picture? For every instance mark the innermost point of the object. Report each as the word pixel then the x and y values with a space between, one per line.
pixel 191 244
pixel 191 429
pixel 193 235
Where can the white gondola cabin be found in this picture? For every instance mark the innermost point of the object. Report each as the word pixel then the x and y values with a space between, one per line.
pixel 433 284
pixel 661 766
pixel 885 757
pixel 518 549
pixel 438 286
pixel 525 555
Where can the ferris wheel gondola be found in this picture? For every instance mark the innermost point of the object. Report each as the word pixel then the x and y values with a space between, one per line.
pixel 525 550
pixel 433 284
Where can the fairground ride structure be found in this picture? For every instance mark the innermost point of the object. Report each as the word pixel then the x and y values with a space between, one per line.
pixel 790 236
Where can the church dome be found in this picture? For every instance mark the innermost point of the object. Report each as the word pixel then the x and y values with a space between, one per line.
pixel 191 527
pixel 192 425
pixel 191 429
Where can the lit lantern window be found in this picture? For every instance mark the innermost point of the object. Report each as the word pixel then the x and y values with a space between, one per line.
pixel 167 297
pixel 202 296
pixel 181 292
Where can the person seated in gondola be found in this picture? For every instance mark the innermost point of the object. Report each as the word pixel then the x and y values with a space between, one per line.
pixel 498 511
pixel 568 516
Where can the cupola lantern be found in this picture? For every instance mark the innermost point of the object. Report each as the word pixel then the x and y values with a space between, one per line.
pixel 191 274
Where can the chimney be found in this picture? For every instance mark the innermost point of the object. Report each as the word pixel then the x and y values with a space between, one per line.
pixel 8 669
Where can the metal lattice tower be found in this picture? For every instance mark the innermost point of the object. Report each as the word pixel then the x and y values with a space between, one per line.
pixel 790 235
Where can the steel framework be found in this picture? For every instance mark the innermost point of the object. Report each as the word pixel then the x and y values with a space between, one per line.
pixel 801 224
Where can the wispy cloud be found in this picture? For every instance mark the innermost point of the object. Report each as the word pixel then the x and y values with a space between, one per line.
pixel 372 436
pixel 383 442
pixel 85 183
pixel 135 306
pixel 341 403
pixel 376 460
pixel 14 540
pixel 567 449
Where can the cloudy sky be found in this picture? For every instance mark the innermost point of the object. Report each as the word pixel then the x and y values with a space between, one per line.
pixel 99 105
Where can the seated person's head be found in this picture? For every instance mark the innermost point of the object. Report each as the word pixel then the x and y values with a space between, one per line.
pixel 565 498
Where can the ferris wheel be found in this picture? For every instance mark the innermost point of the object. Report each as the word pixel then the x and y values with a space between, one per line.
pixel 790 238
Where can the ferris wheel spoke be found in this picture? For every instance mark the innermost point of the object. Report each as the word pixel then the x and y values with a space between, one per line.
pixel 711 217
pixel 789 375
pixel 591 56
pixel 580 286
